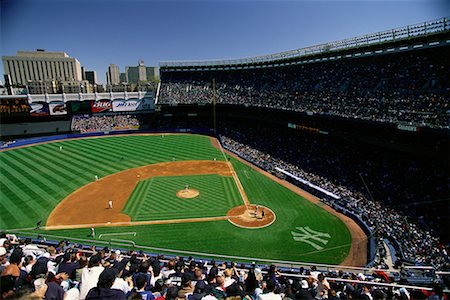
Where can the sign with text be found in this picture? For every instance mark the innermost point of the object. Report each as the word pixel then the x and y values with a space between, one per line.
pixel 14 107
pixel 101 106
pixel 133 105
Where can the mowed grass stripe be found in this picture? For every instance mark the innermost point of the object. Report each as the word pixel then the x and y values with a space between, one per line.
pixel 9 209
pixel 138 192
pixel 55 173
pixel 36 189
pixel 28 166
pixel 76 163
pixel 29 199
pixel 160 201
pixel 18 168
pixel 89 158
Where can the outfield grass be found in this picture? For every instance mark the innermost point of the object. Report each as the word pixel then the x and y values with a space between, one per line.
pixel 155 198
pixel 33 180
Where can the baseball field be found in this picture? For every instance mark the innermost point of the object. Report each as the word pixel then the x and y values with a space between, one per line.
pixel 176 193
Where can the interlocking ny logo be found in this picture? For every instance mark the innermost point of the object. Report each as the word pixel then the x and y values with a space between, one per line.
pixel 311 237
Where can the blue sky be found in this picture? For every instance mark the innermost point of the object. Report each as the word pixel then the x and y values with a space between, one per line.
pixel 101 32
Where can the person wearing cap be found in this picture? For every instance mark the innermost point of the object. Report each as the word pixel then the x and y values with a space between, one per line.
pixel 169 269
pixel 228 280
pixel 90 275
pixel 104 289
pixel 365 293
pixel 186 287
pixel 119 283
pixel 213 271
pixel 68 265
pixel 3 260
pixel 218 289
pixel 176 277
pixel 141 284
pixel 303 293
pixel 270 294
pixel 199 291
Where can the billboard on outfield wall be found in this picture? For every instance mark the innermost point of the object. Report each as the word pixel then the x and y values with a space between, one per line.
pixel 14 107
pixel 101 106
pixel 79 107
pixel 39 109
pixel 57 108
pixel 133 105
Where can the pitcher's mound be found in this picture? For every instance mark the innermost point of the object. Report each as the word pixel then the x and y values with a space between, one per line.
pixel 244 216
pixel 190 193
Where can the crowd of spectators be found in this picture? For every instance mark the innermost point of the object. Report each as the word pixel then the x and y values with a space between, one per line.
pixel 410 88
pixel 70 271
pixel 93 123
pixel 394 183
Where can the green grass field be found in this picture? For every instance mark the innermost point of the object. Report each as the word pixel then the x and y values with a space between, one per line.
pixel 155 198
pixel 34 179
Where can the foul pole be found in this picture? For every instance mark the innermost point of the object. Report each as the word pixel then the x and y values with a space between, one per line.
pixel 214 105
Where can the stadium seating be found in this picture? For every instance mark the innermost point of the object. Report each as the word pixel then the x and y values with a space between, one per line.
pixel 93 123
pixel 410 87
pixel 338 167
pixel 62 268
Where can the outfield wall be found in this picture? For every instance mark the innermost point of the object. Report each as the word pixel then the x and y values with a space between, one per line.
pixel 60 137
pixel 30 128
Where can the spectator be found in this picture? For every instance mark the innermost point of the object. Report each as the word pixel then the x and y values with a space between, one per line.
pixel 90 275
pixel 103 289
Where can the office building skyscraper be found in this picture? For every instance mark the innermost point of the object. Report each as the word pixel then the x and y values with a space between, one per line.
pixel 113 74
pixel 40 65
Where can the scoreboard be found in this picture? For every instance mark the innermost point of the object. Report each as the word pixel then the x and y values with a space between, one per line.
pixel 14 106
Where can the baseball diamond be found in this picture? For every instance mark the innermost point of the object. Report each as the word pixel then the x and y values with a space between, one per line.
pixel 58 187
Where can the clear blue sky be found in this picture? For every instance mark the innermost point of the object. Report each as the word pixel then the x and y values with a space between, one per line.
pixel 101 32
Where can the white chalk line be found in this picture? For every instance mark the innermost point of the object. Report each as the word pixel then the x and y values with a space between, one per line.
pixel 119 233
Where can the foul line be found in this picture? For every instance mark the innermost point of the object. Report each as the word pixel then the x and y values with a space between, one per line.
pixel 120 233
pixel 236 178
pixel 156 222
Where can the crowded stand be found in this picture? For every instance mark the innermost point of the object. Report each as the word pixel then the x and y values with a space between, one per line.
pixel 32 269
pixel 337 167
pixel 410 87
pixel 93 123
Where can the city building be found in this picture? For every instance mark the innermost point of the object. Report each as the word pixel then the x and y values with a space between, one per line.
pixel 39 66
pixel 90 76
pixel 141 73
pixel 113 74
pixel 123 77
pixel 69 87
pixel 42 87
pixel 120 87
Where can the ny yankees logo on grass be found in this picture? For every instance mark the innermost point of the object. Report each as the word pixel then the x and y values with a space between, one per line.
pixel 311 237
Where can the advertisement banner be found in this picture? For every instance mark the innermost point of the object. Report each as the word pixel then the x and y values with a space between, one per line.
pixel 132 105
pixel 39 109
pixel 57 108
pixel 146 104
pixel 79 107
pixel 407 127
pixel 101 106
pixel 14 107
